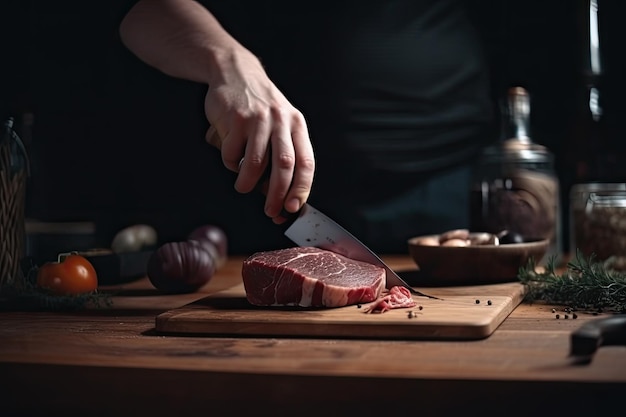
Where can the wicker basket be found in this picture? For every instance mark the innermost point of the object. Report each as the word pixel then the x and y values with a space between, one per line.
pixel 13 174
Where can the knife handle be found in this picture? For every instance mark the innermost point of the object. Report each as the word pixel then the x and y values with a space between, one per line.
pixel 213 138
pixel 600 332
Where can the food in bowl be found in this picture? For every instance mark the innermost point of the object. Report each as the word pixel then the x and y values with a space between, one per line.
pixel 464 257
pixel 463 237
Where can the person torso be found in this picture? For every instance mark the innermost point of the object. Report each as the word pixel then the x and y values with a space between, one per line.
pixel 396 87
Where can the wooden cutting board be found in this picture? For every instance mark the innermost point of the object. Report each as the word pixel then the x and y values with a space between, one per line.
pixel 469 312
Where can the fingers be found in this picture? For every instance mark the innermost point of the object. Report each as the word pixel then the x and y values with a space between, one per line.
pixel 301 181
pixel 251 141
pixel 282 169
pixel 233 146
pixel 213 138
pixel 255 159
pixel 304 169
pixel 292 168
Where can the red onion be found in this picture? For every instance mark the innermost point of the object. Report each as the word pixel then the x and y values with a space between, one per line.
pixel 181 267
pixel 214 236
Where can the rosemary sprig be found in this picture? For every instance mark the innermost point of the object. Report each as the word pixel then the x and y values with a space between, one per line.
pixel 586 284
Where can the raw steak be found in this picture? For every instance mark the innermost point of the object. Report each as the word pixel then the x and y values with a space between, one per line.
pixel 310 277
pixel 396 297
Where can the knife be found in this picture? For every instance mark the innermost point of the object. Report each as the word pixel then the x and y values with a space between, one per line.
pixel 314 228
pixel 311 227
pixel 586 340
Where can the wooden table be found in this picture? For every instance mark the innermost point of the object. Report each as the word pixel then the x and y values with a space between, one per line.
pixel 110 362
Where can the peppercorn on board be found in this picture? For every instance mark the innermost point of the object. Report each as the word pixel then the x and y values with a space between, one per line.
pixel 461 313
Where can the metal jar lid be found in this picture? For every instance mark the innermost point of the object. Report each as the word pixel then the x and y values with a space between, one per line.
pixel 580 193
pixel 516 151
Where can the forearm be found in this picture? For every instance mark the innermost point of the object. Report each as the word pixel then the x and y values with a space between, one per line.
pixel 256 122
pixel 181 38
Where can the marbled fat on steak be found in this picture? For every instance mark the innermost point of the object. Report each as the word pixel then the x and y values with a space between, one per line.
pixel 310 277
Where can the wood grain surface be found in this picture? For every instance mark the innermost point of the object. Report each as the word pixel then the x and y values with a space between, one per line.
pixel 470 312
pixel 112 362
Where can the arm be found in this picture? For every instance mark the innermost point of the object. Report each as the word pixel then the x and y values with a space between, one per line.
pixel 183 39
pixel 178 37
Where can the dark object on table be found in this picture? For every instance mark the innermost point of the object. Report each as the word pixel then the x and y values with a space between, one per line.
pixel 116 268
pixel 586 340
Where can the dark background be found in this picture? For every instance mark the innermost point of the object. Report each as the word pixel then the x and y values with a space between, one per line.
pixel 115 142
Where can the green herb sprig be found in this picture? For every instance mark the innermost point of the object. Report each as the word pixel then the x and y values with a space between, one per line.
pixel 587 284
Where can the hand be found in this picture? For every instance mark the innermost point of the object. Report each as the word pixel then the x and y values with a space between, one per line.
pixel 259 126
pixel 256 122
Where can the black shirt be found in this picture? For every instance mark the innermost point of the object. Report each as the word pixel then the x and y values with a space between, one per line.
pixel 395 94
pixel 393 91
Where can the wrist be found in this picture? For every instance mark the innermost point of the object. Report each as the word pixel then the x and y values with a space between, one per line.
pixel 228 61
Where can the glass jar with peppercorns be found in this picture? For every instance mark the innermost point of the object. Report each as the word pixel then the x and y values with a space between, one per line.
pixel 598 221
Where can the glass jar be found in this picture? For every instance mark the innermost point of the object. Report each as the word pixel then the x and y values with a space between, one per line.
pixel 598 220
pixel 514 183
pixel 515 188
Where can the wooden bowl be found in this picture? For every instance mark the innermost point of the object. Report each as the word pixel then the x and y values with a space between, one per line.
pixel 475 264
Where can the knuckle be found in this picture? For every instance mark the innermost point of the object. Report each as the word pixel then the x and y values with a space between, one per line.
pixel 298 120
pixel 285 161
pixel 239 116
pixel 306 164
pixel 261 115
pixel 277 111
pixel 244 117
pixel 255 161
pixel 300 190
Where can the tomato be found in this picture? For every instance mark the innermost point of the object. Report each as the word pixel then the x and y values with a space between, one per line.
pixel 72 275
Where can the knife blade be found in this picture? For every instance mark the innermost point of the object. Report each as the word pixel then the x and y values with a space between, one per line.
pixel 314 228
pixel 585 341
pixel 311 227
